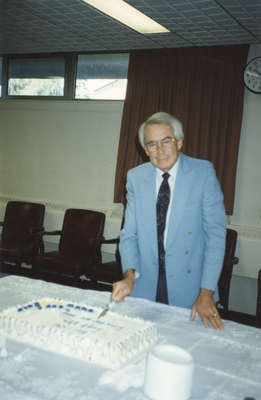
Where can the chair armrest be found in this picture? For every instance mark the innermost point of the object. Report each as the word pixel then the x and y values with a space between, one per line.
pixel 36 230
pixel 42 232
pixel 52 233
pixel 110 241
pixel 31 231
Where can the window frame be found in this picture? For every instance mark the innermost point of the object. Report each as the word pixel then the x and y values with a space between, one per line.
pixel 35 56
pixel 70 76
pixel 98 72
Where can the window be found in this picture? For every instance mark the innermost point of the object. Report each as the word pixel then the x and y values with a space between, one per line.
pixel 1 70
pixel 65 76
pixel 102 76
pixel 36 76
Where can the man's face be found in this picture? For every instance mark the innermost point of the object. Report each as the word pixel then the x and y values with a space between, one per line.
pixel 161 146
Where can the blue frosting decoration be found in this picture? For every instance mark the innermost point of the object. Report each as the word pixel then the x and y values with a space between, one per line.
pixel 66 306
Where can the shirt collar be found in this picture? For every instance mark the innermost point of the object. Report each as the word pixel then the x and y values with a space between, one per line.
pixel 172 170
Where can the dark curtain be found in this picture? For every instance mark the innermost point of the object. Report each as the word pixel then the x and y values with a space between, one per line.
pixel 203 87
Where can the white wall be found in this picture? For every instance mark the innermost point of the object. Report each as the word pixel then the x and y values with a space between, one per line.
pixel 58 151
pixel 248 189
pixel 246 218
pixel 247 212
pixel 62 153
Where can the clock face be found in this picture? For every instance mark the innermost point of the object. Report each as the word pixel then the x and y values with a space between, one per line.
pixel 252 75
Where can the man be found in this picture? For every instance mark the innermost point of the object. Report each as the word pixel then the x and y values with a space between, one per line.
pixel 185 267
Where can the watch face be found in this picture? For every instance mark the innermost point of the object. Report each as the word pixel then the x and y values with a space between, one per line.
pixel 252 75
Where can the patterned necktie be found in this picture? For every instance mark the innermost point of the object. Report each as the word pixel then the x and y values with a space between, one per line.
pixel 162 208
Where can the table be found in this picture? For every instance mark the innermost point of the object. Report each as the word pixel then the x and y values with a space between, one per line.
pixel 227 363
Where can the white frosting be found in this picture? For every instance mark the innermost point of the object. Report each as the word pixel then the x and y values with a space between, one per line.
pixel 75 330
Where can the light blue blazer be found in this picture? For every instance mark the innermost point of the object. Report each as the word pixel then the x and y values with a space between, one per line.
pixel 196 235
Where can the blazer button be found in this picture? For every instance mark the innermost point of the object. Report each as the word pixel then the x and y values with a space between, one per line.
pixel 188 271
pixel 189 232
pixel 187 251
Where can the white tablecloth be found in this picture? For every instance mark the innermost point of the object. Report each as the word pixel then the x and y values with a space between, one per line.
pixel 227 363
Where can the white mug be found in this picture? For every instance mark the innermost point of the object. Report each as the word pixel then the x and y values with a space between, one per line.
pixel 169 373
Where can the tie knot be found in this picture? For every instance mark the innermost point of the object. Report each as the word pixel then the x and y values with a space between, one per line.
pixel 166 176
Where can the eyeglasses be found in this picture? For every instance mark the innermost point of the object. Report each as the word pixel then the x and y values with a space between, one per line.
pixel 165 143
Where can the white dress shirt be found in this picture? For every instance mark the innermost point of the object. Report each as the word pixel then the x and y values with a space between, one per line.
pixel 172 179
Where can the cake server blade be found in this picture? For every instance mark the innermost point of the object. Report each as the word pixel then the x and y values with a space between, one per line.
pixel 106 309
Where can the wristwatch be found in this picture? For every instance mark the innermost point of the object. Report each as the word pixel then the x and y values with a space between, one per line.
pixel 252 75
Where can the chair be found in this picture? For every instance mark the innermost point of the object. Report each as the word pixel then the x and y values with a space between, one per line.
pixel 20 239
pixel 79 246
pixel 107 272
pixel 224 281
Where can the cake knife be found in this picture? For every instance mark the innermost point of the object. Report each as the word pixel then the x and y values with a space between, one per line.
pixel 106 309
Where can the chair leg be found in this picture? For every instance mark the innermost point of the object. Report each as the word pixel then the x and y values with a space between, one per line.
pixel 76 281
pixel 18 267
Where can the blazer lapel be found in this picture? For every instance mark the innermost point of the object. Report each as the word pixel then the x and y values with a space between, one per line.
pixel 181 192
pixel 150 205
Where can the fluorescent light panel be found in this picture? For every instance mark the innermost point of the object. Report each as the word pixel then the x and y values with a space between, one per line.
pixel 127 15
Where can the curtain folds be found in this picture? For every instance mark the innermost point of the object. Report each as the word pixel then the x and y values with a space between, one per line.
pixel 203 87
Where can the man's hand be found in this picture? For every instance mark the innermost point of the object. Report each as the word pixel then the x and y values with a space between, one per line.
pixel 123 288
pixel 205 306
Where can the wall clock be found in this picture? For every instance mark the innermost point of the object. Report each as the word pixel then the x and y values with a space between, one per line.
pixel 252 75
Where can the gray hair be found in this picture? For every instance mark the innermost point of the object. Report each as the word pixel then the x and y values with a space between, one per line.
pixel 162 118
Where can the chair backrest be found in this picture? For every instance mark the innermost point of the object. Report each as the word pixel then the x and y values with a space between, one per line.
pixel 227 269
pixel 81 233
pixel 20 218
